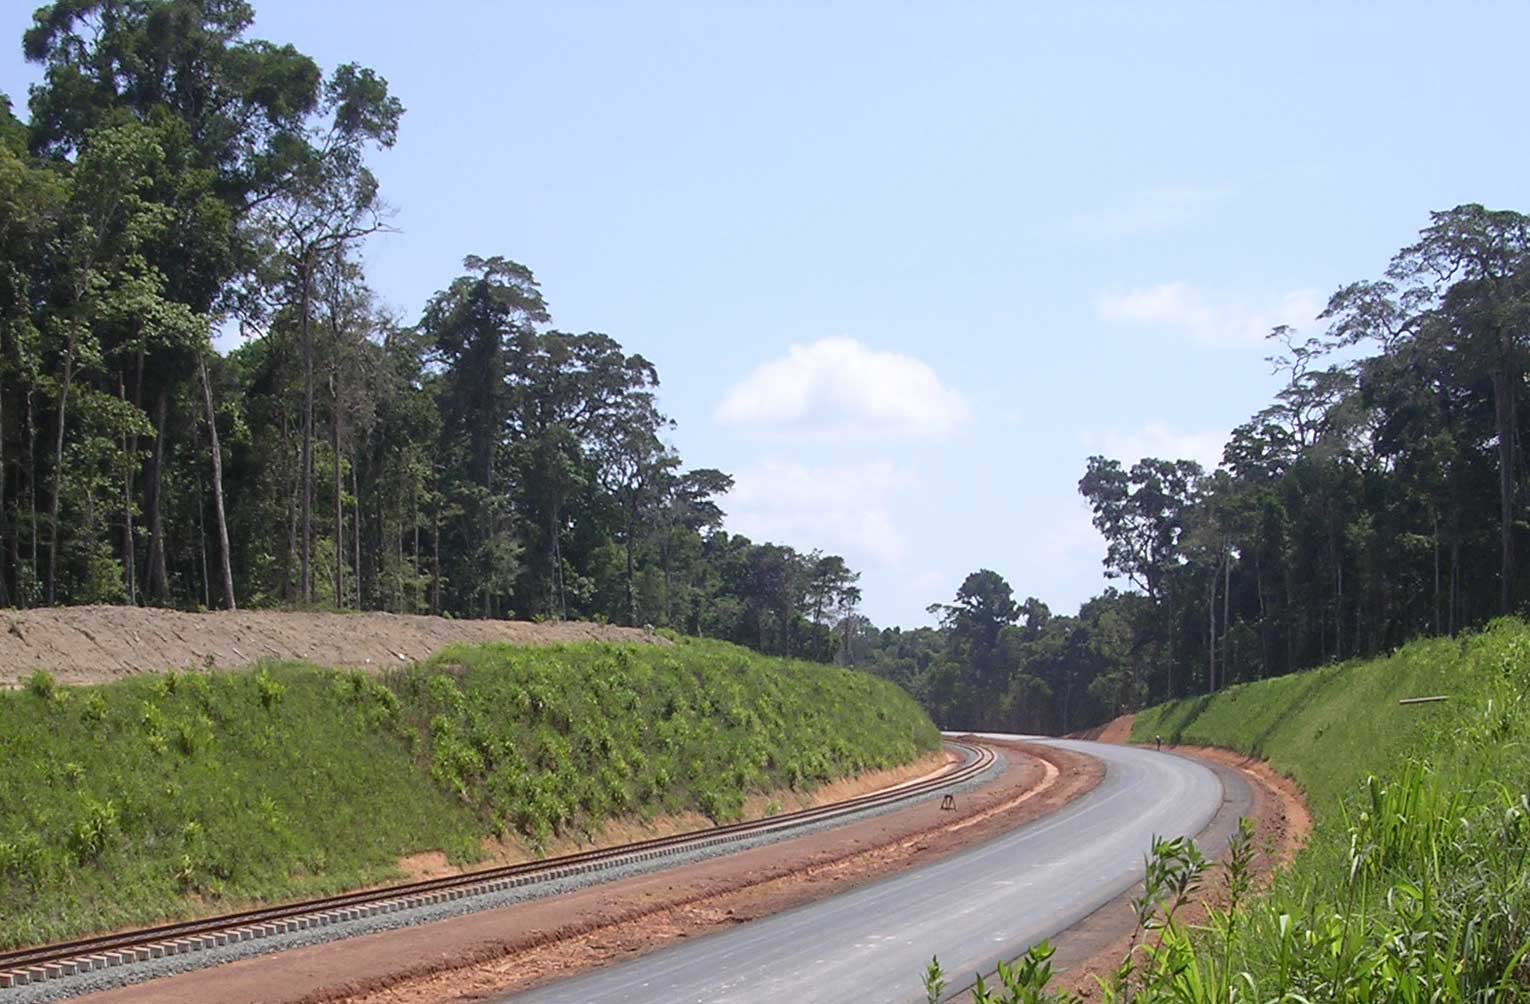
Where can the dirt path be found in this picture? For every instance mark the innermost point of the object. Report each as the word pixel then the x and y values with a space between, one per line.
pixel 498 951
pixel 103 643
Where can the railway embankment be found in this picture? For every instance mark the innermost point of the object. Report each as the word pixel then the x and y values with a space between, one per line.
pixel 165 795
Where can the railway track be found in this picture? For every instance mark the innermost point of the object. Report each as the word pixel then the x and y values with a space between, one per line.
pixel 20 967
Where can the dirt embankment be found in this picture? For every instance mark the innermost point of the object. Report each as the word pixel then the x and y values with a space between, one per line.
pixel 1117 731
pixel 103 643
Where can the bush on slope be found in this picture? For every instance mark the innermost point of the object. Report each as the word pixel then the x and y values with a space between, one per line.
pixel 186 792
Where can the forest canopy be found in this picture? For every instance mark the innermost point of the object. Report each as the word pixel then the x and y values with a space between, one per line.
pixel 1379 498
pixel 176 178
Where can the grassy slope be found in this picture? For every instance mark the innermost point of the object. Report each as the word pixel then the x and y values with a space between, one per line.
pixel 1329 727
pixel 1415 885
pixel 163 795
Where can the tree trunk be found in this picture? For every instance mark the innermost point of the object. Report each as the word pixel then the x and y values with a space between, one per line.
pixel 356 505
pixel 558 575
pixel 631 599
pixel 1211 635
pixel 132 541
pixel 1173 652
pixel 1504 416
pixel 1436 540
pixel 202 543
pixel 1226 607
pixel 435 544
pixel 158 577
pixel 217 487
pixel 1264 617
pixel 669 601
pixel 334 449
pixel 7 540
pixel 289 493
pixel 129 448
pixel 58 472
pixel 1336 556
pixel 31 465
pixel 305 554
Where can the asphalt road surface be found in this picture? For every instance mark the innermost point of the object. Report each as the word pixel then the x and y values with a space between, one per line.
pixel 983 905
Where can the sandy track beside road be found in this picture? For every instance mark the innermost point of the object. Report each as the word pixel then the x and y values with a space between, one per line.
pixel 99 644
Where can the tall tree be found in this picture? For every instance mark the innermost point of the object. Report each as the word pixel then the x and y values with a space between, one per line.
pixel 324 200
pixel 1470 266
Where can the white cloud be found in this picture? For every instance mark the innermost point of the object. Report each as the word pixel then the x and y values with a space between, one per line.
pixel 1166 207
pixel 839 390
pixel 844 509
pixel 1070 542
pixel 1158 439
pixel 1182 307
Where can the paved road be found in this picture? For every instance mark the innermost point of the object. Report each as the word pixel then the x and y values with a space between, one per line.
pixel 987 903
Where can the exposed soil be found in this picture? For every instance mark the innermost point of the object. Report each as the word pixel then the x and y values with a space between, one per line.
pixel 103 643
pixel 1117 731
pixel 499 951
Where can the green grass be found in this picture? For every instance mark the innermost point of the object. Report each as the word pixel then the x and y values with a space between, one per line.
pixel 1330 727
pixel 1415 885
pixel 161 796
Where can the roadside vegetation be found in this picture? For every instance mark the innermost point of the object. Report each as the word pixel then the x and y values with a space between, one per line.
pixel 1415 885
pixel 167 795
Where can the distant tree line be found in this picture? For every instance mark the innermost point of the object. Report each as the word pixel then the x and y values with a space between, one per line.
pixel 176 178
pixel 1380 497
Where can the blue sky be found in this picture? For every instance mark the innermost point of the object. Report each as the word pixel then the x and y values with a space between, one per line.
pixel 902 268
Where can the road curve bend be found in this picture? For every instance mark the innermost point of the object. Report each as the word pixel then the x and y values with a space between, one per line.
pixel 973 909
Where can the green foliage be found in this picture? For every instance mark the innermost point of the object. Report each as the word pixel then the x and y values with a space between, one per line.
pixel 595 731
pixel 1415 885
pixel 1377 499
pixel 119 802
pixel 41 685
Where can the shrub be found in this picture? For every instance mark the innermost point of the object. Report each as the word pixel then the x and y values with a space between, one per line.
pixel 41 685
pixel 269 689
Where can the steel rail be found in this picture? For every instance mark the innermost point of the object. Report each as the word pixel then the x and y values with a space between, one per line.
pixel 65 958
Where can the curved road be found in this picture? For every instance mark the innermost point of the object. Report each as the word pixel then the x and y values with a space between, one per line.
pixel 973 909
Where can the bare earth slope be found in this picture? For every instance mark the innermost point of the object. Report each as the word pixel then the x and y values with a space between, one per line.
pixel 104 643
